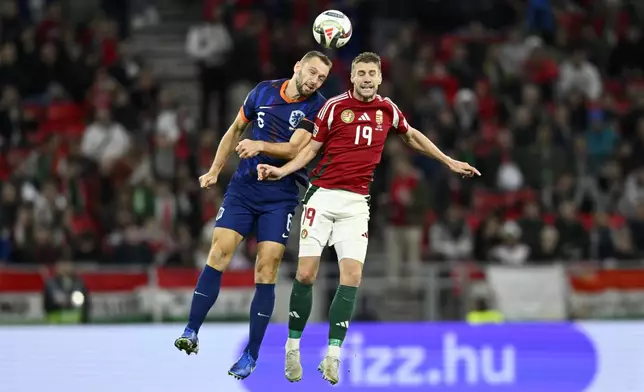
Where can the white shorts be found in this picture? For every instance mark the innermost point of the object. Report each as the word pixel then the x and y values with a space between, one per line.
pixel 336 218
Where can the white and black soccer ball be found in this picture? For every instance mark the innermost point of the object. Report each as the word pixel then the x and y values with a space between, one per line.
pixel 332 29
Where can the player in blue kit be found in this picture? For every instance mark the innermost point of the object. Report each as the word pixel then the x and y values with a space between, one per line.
pixel 282 113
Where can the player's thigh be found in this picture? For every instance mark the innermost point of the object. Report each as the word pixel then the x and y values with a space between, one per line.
pixel 315 231
pixel 236 215
pixel 350 270
pixel 269 256
pixel 350 236
pixel 317 222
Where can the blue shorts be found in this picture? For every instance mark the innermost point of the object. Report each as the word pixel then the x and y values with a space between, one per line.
pixel 272 220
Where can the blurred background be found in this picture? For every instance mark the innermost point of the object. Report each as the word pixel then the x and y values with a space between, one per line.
pixel 110 110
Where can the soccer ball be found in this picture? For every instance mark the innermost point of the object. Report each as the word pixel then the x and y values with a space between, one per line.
pixel 332 29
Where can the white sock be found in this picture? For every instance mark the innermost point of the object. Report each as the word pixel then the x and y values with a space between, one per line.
pixel 292 344
pixel 333 351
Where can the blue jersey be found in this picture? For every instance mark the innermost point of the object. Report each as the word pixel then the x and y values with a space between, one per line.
pixel 268 206
pixel 274 118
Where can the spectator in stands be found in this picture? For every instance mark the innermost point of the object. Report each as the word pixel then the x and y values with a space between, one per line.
pixel 12 124
pixel 50 28
pixel 49 73
pixel 9 203
pixel 10 22
pixel 514 52
pixel 49 205
pixel 627 59
pixel 466 111
pixel 633 192
pixel 133 249
pixel 580 74
pixel 144 94
pixel 541 162
pixel 408 200
pixel 548 249
pixel 210 44
pixel 450 238
pixel 11 72
pixel 166 136
pixel 127 66
pixel 601 140
pixel 609 185
pixel 512 250
pixel 105 142
pixel 531 225
pixel 573 237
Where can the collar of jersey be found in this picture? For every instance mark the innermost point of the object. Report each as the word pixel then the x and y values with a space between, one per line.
pixel 286 98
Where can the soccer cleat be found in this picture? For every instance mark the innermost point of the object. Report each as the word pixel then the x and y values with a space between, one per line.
pixel 243 367
pixel 329 368
pixel 292 366
pixel 188 342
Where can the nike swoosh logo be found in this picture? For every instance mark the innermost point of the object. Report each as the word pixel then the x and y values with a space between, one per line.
pixel 202 294
pixel 284 235
pixel 263 315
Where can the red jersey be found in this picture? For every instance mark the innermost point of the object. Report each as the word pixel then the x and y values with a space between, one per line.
pixel 354 134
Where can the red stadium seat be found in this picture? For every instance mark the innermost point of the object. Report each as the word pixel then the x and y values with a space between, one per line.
pixel 64 112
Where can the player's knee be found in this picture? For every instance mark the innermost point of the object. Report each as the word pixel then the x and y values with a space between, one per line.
pixel 350 272
pixel 305 276
pixel 266 269
pixel 222 248
pixel 218 257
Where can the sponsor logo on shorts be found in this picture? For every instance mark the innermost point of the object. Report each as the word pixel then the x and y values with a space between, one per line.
pixel 220 213
pixel 347 116
pixel 304 233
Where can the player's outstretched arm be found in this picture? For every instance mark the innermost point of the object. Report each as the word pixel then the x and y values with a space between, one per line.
pixel 303 158
pixel 226 147
pixel 421 143
pixel 249 148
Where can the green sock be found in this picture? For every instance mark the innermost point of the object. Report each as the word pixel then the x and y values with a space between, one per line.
pixel 299 308
pixel 340 313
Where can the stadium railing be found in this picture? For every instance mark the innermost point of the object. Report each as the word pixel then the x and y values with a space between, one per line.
pixel 444 291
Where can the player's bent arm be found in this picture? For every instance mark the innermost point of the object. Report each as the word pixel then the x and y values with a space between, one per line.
pixel 421 143
pixel 228 143
pixel 302 158
pixel 289 150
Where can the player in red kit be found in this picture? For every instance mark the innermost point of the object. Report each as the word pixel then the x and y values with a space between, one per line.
pixel 351 130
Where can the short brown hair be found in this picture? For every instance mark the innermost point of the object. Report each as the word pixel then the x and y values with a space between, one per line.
pixel 316 54
pixel 366 57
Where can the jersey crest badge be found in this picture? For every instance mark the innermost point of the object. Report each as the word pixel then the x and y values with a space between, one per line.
pixel 296 117
pixel 304 233
pixel 347 116
pixel 379 120
pixel 379 117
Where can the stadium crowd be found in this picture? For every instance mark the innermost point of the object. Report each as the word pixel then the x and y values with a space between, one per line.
pixel 99 162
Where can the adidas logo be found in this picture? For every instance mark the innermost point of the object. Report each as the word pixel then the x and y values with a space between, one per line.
pixel 343 324
pixel 364 117
pixel 365 235
pixel 294 314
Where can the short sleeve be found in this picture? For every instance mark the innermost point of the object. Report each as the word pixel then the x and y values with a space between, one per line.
pixel 399 122
pixel 308 121
pixel 247 110
pixel 322 122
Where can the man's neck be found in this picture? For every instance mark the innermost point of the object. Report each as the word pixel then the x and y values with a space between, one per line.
pixel 291 90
